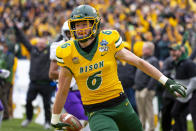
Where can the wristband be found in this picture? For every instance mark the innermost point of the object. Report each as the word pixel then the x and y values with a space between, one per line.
pixel 55 118
pixel 163 79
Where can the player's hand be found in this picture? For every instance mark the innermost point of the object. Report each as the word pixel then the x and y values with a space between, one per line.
pixel 61 126
pixel 175 88
pixel 57 124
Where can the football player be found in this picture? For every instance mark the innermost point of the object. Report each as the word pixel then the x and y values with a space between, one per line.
pixel 73 104
pixel 91 59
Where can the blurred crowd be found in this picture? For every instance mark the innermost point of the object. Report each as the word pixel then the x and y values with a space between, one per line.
pixel 162 22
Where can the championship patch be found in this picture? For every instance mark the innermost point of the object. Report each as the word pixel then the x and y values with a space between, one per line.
pixel 103 48
pixel 103 43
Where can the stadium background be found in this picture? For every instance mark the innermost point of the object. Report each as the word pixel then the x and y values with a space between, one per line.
pixel 136 20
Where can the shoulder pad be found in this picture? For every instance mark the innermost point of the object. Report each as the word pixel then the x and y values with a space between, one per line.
pixel 113 34
pixel 117 38
pixel 63 50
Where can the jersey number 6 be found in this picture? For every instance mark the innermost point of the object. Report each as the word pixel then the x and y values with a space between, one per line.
pixel 94 81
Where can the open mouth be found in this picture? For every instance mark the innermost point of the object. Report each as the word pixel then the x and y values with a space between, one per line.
pixel 82 33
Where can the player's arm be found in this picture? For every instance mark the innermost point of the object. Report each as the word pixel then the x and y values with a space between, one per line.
pixel 149 69
pixel 53 71
pixel 65 77
pixel 141 64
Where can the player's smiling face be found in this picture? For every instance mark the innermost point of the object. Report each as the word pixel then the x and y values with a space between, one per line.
pixel 83 28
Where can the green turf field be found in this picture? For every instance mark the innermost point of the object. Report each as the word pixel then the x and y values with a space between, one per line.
pixel 190 126
pixel 14 125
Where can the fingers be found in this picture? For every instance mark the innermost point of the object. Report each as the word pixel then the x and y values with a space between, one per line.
pixel 177 94
pixel 61 126
pixel 181 90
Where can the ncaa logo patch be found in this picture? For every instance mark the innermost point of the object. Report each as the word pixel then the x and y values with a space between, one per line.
pixel 103 48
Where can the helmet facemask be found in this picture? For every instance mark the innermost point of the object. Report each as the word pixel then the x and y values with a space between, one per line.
pixel 81 34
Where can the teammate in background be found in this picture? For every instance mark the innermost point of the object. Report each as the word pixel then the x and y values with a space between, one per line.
pixel 73 104
pixel 91 59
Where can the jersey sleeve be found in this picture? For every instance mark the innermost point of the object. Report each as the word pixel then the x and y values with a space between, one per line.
pixel 63 55
pixel 53 47
pixel 117 41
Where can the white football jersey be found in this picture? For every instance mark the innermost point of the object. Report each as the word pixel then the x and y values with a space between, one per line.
pixel 53 47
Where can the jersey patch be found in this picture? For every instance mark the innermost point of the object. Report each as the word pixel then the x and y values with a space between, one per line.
pixel 75 60
pixel 103 48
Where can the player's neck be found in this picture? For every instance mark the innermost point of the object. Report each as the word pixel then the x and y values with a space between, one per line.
pixel 86 43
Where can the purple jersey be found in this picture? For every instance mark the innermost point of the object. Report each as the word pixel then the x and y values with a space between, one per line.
pixel 1 106
pixel 73 105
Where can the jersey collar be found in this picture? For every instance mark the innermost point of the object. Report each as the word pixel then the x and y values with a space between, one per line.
pixel 88 56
